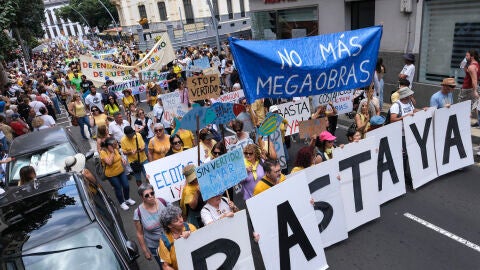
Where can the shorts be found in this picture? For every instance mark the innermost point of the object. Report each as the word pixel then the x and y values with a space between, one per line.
pixel 468 94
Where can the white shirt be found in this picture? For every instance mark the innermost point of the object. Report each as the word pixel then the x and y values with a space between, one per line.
pixel 157 113
pixel 36 105
pixel 409 70
pixel 48 120
pixel 116 130
pixel 149 124
pixel 210 214
pixel 94 100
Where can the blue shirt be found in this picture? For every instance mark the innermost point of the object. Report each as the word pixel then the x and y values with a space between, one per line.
pixel 438 100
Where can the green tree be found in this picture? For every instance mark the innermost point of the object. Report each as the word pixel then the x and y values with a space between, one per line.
pixel 93 12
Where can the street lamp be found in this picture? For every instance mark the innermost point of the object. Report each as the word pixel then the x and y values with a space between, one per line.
pixel 111 16
pixel 80 14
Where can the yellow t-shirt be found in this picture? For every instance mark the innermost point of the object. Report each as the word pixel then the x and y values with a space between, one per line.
pixel 395 97
pixel 159 147
pixel 79 109
pixel 131 145
pixel 296 169
pixel 111 109
pixel 127 101
pixel 262 186
pixel 169 256
pixel 188 194
pixel 116 168
pixel 187 137
pixel 100 120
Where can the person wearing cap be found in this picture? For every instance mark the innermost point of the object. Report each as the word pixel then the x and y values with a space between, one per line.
pixel 191 201
pixel 408 71
pixel 401 83
pixel 133 146
pixel 444 97
pixel 324 146
pixel 376 122
pixel 206 142
pixel 403 107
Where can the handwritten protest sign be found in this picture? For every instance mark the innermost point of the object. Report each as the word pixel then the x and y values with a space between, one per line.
pixel 221 173
pixel 211 71
pixel 312 127
pixel 224 112
pixel 173 104
pixel 203 62
pixel 295 112
pixel 166 174
pixel 307 66
pixel 231 97
pixel 203 87
pixel 277 140
pixel 134 85
pixel 342 100
pixel 153 75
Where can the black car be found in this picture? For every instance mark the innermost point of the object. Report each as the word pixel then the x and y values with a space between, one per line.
pixel 62 222
pixel 45 150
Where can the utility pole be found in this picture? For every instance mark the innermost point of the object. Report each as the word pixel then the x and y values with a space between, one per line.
pixel 111 16
pixel 215 24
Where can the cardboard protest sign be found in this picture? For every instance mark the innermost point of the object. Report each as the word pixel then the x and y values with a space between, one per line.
pixel 295 112
pixel 307 66
pixel 211 71
pixel 288 227
pixel 134 85
pixel 389 161
pixel 231 97
pixel 342 100
pixel 277 140
pixel 312 127
pixel 166 174
pixel 203 62
pixel 325 190
pixel 152 75
pixel 420 147
pixel 453 135
pixel 358 179
pixel 189 120
pixel 172 103
pixel 203 87
pixel 223 172
pixel 96 70
pixel 224 244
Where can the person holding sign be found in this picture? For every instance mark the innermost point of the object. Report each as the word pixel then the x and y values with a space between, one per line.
pixel 191 201
pixel 133 146
pixel 217 208
pixel 175 228
pixel 255 171
pixel 159 144
pixel 444 97
pixel 362 119
pixel 273 175
pixel 324 146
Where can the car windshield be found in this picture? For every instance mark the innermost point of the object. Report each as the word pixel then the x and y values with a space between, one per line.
pixel 89 250
pixel 46 161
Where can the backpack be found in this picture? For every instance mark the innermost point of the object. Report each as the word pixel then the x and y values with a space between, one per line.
pixel 165 240
pixel 387 119
pixel 139 213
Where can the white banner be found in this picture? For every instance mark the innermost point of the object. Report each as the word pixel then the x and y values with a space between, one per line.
pixel 389 161
pixel 420 147
pixel 231 97
pixel 358 179
pixel 295 112
pixel 166 175
pixel 286 222
pixel 325 190
pixel 453 135
pixel 224 244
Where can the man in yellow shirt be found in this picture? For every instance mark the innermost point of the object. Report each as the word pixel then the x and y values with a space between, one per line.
pixel 133 147
pixel 273 176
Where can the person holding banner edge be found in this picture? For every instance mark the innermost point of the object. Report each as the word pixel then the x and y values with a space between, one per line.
pixel 191 201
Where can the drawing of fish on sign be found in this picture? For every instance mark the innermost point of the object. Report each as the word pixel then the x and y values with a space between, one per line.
pixel 270 124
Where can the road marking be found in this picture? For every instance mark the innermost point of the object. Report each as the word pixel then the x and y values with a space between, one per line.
pixel 444 232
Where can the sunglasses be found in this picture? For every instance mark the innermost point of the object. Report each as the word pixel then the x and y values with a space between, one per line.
pixel 238 130
pixel 140 113
pixel 150 194
pixel 248 153
pixel 110 99
pixel 95 110
pixel 176 142
pixel 216 153
pixel 158 130
pixel 451 86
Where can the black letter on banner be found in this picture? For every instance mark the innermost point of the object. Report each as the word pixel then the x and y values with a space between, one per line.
pixel 222 245
pixel 287 218
pixel 422 141
pixel 384 151
pixel 325 207
pixel 354 163
pixel 452 126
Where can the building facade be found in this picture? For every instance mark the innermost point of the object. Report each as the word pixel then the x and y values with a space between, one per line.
pixel 55 26
pixel 437 32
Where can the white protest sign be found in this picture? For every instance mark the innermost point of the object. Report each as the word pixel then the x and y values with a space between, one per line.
pixel 325 190
pixel 166 175
pixel 276 139
pixel 420 147
pixel 342 101
pixel 231 97
pixel 172 103
pixel 453 135
pixel 288 227
pixel 389 161
pixel 295 112
pixel 235 143
pixel 224 244
pixel 358 179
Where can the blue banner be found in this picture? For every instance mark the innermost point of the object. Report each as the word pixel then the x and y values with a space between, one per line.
pixel 306 66
pixel 221 173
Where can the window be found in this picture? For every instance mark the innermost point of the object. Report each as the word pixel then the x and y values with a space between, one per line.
pixel 230 9
pixel 187 6
pixel 216 10
pixel 242 8
pixel 162 10
pixel 363 14
pixel 143 14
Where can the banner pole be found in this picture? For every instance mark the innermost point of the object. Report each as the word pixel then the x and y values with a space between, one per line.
pixel 198 140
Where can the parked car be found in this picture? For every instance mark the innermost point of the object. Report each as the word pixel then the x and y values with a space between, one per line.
pixel 45 150
pixel 62 222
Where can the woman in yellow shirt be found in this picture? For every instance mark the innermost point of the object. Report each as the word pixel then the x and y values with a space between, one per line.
pixel 112 106
pixel 76 108
pixel 113 164
pixel 127 98
pixel 159 144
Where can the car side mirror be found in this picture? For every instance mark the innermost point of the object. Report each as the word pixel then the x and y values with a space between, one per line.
pixel 132 249
pixel 89 154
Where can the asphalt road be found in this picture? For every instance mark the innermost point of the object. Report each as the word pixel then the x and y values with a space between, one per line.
pixel 394 241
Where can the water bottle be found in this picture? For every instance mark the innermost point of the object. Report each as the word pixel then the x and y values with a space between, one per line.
pixel 463 63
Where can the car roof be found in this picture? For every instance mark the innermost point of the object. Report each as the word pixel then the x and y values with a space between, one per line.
pixel 36 213
pixel 41 139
